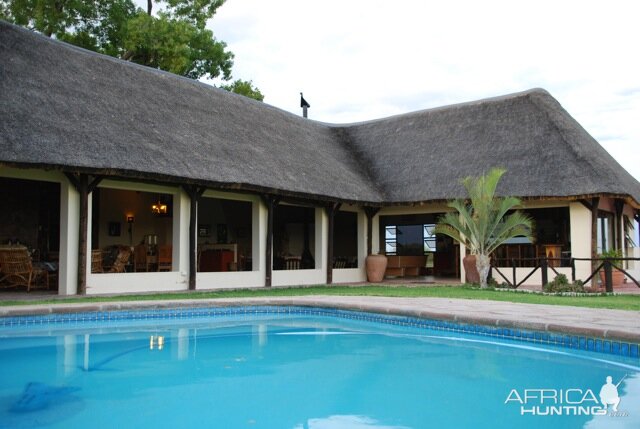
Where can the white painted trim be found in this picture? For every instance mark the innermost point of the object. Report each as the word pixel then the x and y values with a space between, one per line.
pixel 229 279
pixel 321 244
pixel 235 196
pixel 362 245
pixel 33 174
pixel 180 257
pixel 299 277
pixel 98 284
pixel 139 186
pixel 349 275
pixel 580 231
pixel 69 236
pixel 463 254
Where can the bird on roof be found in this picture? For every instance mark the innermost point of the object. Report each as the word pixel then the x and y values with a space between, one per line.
pixel 303 102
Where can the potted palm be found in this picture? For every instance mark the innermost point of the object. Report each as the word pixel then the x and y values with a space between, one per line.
pixel 617 276
pixel 481 222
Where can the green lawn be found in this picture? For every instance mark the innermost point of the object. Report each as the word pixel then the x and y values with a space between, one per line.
pixel 621 302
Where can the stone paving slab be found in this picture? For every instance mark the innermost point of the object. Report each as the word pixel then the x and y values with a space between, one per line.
pixel 599 323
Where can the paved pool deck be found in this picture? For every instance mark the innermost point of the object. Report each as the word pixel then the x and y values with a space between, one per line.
pixel 598 323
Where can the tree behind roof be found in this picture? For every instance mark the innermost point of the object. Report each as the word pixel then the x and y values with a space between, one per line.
pixel 175 39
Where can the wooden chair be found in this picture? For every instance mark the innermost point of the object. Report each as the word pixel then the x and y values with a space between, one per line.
pixel 96 261
pixel 16 269
pixel 165 253
pixel 140 260
pixel 292 262
pixel 121 260
pixel 339 263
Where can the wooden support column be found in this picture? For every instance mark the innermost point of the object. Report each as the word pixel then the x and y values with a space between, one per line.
pixel 619 223
pixel 84 184
pixel 194 192
pixel 370 212
pixel 270 202
pixel 594 238
pixel 331 211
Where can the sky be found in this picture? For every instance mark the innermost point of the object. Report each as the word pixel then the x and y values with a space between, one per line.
pixel 359 60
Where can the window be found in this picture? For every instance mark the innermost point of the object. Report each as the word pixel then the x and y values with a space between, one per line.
pixel 390 239
pixel 410 239
pixel 605 231
pixel 224 235
pixel 429 237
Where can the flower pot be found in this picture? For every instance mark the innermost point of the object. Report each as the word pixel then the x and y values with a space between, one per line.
pixel 471 274
pixel 376 266
pixel 617 277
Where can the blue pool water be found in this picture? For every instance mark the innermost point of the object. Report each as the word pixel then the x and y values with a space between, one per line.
pixel 303 369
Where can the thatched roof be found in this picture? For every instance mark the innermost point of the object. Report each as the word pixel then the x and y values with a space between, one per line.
pixel 67 108
pixel 421 156
pixel 70 108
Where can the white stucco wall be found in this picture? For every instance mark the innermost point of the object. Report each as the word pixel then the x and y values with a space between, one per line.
pixel 69 235
pixel 634 266
pixel 580 220
pixel 463 253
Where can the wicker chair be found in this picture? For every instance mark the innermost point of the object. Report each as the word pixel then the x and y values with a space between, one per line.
pixel 96 261
pixel 121 260
pixel 16 269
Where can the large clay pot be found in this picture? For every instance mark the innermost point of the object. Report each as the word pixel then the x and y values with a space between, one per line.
pixel 616 276
pixel 471 273
pixel 376 266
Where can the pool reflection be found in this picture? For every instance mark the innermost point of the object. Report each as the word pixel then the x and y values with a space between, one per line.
pixel 346 422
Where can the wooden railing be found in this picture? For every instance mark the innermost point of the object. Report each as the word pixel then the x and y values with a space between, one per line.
pixel 608 265
pixel 544 264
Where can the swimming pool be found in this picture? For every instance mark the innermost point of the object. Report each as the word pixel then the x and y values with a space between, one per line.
pixel 295 367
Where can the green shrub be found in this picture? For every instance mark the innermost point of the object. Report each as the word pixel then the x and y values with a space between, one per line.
pixel 613 255
pixel 492 283
pixel 561 284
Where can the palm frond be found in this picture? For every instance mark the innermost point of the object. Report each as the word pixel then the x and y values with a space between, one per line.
pixel 481 223
pixel 515 225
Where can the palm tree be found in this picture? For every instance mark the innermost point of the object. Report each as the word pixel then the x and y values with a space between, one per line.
pixel 481 223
